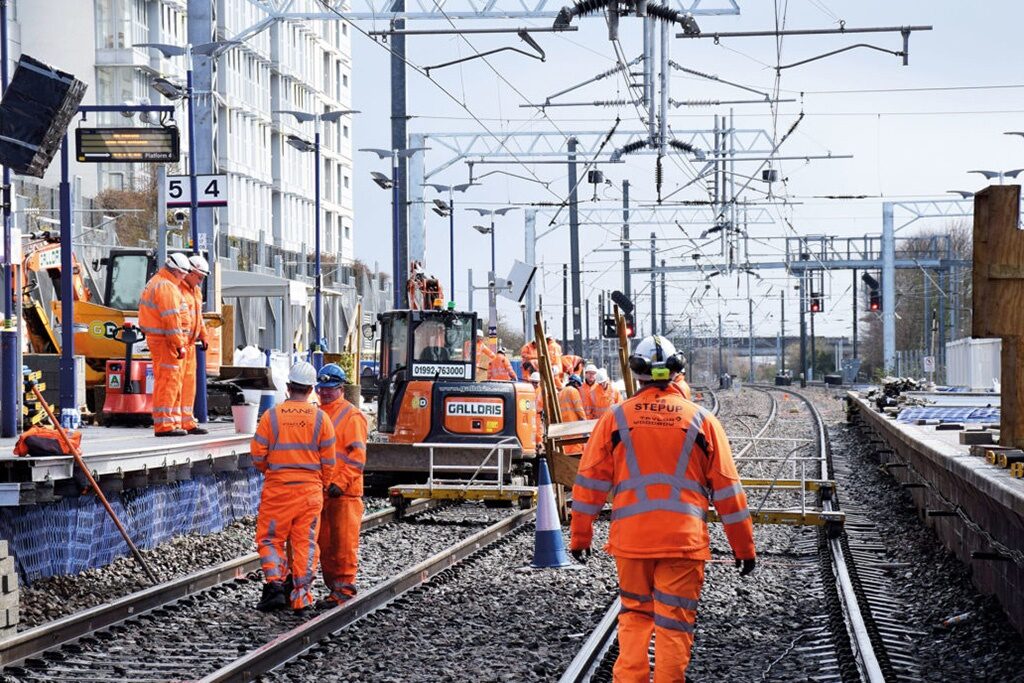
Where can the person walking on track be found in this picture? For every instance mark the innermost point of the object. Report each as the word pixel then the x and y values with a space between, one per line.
pixel 343 504
pixel 294 449
pixel 663 459
pixel 161 309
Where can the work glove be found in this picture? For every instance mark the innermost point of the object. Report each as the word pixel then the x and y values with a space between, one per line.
pixel 202 344
pixel 747 566
pixel 334 491
pixel 179 353
pixel 581 555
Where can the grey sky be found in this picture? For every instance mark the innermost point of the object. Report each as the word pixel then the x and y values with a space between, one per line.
pixel 906 143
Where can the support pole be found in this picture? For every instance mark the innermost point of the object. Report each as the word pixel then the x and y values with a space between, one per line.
pixel 398 143
pixel 803 330
pixel 68 400
pixel 854 290
pixel 654 287
pixel 782 332
pixel 663 79
pixel 888 289
pixel 627 286
pixel 664 301
pixel 530 234
pixel 399 263
pixel 648 47
pixel 10 377
pixel 750 336
pixel 721 356
pixel 415 206
pixel 318 315
pixel 565 307
pixel 574 251
pixel 814 354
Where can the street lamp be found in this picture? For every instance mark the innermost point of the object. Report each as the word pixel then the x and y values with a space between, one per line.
pixel 316 347
pixel 492 301
pixel 963 193
pixel 175 92
pixel 999 174
pixel 442 209
pixel 399 251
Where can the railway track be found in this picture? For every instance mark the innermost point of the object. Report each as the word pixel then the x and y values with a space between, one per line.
pixel 860 641
pixel 204 624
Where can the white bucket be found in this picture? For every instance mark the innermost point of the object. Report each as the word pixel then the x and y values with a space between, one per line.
pixel 245 418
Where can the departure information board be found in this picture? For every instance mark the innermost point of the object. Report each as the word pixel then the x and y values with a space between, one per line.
pixel 126 145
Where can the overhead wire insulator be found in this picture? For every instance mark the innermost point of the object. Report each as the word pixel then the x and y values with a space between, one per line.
pixel 659 175
pixel 628 148
pixel 580 9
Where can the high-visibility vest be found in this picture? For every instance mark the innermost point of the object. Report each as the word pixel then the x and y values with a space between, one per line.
pixel 605 397
pixel 484 355
pixel 664 460
pixel 570 405
pixel 588 393
pixel 349 425
pixel 680 382
pixel 294 444
pixel 160 308
pixel 500 368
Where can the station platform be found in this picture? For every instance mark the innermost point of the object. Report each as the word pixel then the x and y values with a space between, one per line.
pixel 975 507
pixel 121 458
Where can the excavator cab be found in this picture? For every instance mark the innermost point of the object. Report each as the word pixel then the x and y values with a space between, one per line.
pixel 427 390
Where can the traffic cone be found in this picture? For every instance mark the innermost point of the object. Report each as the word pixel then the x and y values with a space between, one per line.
pixel 548 544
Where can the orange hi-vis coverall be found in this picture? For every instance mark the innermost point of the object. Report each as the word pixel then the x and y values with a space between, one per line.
pixel 555 357
pixel 501 369
pixel 664 459
pixel 529 355
pixel 588 393
pixel 484 355
pixel 598 399
pixel 343 517
pixel 570 406
pixel 294 448
pixel 195 330
pixel 160 317
pixel 572 364
pixel 680 382
pixel 539 431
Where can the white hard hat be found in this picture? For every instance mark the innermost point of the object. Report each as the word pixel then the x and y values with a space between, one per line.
pixel 302 373
pixel 178 261
pixel 655 359
pixel 199 264
pixel 535 377
pixel 602 376
pixel 479 333
pixel 590 368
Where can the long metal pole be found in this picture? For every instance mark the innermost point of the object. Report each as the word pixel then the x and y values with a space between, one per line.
pixel 654 287
pixel 451 244
pixel 803 331
pixel 627 286
pixel 648 48
pixel 814 353
pixel 68 400
pixel 398 276
pixel 782 331
pixel 318 314
pixel 199 407
pixel 854 290
pixel 663 81
pixel 750 336
pixel 565 306
pixel 888 288
pixel 574 252
pixel 586 348
pixel 664 302
pixel 530 233
pixel 492 298
pixel 9 375
pixel 721 357
pixel 398 143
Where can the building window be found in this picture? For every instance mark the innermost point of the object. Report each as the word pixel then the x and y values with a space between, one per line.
pixel 344 29
pixel 344 130
pixel 346 182
pixel 348 232
pixel 344 80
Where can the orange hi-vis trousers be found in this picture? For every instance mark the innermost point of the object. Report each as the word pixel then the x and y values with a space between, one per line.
pixel 167 378
pixel 339 544
pixel 659 596
pixel 188 388
pixel 286 532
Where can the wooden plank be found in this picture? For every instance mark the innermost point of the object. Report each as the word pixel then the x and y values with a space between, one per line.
pixel 999 250
pixel 1011 413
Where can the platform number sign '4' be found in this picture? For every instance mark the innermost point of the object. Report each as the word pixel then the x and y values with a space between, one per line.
pixel 213 191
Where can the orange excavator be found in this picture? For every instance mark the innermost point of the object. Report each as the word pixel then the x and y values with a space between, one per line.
pixel 427 394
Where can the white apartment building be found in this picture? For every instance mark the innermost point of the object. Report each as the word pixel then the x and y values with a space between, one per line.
pixel 303 66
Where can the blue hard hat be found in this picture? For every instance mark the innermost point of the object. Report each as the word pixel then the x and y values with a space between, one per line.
pixel 575 380
pixel 330 376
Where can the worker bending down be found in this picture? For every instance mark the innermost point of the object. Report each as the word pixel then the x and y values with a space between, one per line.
pixel 343 504
pixel 664 459
pixel 195 336
pixel 570 408
pixel 161 309
pixel 294 449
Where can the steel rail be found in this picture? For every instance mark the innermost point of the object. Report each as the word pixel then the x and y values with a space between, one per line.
pixel 35 641
pixel 295 642
pixel 767 423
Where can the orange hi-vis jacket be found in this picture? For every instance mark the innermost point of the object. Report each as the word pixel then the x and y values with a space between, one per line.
pixel 555 356
pixel 529 355
pixel 572 364
pixel 294 444
pixel 680 382
pixel 588 393
pixel 193 301
pixel 664 459
pixel 570 406
pixel 160 309
pixel 501 369
pixel 484 355
pixel 598 399
pixel 350 429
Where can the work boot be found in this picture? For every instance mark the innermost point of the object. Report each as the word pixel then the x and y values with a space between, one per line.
pixel 288 585
pixel 273 597
pixel 198 430
pixel 173 432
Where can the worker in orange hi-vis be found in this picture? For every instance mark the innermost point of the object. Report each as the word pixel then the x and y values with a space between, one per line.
pixel 484 355
pixel 192 300
pixel 605 395
pixel 160 317
pixel 664 459
pixel 343 504
pixel 570 407
pixel 539 398
pixel 529 355
pixel 588 391
pixel 572 364
pixel 501 367
pixel 680 381
pixel 555 357
pixel 294 449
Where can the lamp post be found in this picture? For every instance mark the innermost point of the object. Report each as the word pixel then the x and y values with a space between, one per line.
pixel 316 347
pixel 441 209
pixel 492 299
pixel 989 175
pixel 173 92
pixel 10 379
pixel 399 251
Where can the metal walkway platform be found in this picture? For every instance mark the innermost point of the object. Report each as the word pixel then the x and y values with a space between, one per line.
pixel 121 458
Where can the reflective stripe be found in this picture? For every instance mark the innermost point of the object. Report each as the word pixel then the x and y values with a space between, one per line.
pixel 163 420
pixel 168 366
pixel 269 552
pixel 330 442
pixel 332 462
pixel 672 624
pixel 594 484
pixel 635 596
pixel 312 553
pixel 349 461
pixel 356 446
pixel 318 423
pixel 274 434
pixel 148 304
pixel 294 447
pixel 643 612
pixel 674 600
pixel 588 508
pixel 736 516
pixel 342 414
pixel 627 445
pixel 259 457
pixel 728 491
pixel 684 455
pixel 660 478
pixel 659 505
pixel 274 467
pixel 169 312
pixel 261 440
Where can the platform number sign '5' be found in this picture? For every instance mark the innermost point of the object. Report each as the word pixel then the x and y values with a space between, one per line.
pixel 213 191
